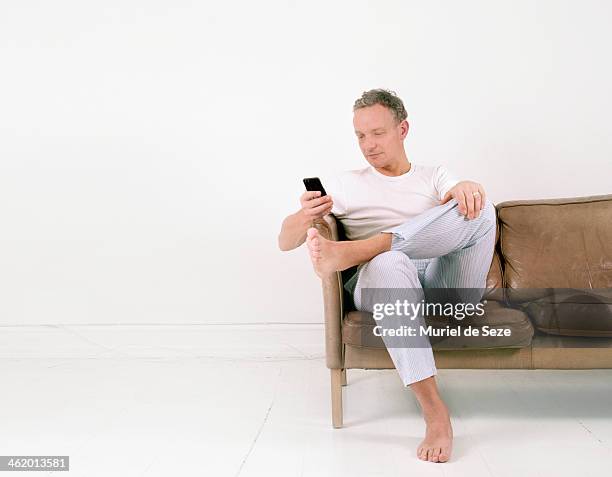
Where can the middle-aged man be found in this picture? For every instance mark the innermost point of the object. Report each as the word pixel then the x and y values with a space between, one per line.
pixel 409 226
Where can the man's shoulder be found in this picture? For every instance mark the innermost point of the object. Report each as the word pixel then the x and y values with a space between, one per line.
pixel 433 172
pixel 342 177
pixel 427 169
pixel 354 173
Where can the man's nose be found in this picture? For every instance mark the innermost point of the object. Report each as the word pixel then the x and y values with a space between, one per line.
pixel 370 145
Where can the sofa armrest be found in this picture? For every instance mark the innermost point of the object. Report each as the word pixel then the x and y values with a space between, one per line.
pixel 333 305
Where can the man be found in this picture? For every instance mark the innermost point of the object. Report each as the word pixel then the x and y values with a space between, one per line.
pixel 409 226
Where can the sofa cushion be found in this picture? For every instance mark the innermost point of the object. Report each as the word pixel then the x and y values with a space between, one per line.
pixel 568 312
pixel 357 329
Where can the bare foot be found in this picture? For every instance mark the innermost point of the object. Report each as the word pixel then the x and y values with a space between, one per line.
pixel 438 442
pixel 327 256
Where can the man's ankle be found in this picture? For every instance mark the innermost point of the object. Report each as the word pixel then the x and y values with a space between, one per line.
pixel 436 412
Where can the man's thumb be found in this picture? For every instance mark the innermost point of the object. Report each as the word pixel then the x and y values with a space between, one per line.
pixel 446 198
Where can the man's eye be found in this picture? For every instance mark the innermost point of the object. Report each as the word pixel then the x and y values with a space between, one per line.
pixel 378 133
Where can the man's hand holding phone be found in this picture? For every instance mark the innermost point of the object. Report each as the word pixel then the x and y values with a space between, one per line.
pixel 314 206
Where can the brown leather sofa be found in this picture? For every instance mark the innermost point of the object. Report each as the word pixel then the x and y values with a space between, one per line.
pixel 550 282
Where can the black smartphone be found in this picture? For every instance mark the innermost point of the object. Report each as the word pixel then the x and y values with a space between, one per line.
pixel 314 184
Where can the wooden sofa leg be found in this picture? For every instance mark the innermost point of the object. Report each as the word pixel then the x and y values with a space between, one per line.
pixel 344 377
pixel 336 397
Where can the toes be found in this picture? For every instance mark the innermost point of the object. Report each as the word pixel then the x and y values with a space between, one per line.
pixel 430 455
pixel 315 254
pixel 444 455
pixel 419 453
pixel 313 243
pixel 436 454
pixel 314 247
pixel 422 453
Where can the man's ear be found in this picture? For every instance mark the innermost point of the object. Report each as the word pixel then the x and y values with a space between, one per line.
pixel 404 126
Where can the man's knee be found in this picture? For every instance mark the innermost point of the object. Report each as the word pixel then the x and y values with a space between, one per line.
pixel 389 259
pixel 386 271
pixel 389 270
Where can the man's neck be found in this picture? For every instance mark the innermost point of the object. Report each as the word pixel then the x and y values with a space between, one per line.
pixel 396 169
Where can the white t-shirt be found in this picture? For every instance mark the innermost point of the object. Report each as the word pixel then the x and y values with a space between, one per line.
pixel 368 202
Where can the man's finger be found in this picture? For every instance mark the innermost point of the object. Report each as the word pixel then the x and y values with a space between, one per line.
pixel 470 204
pixel 317 210
pixel 460 198
pixel 324 213
pixel 317 201
pixel 477 204
pixel 483 197
pixel 311 194
pixel 328 211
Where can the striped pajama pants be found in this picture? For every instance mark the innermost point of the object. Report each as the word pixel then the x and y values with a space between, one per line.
pixel 439 248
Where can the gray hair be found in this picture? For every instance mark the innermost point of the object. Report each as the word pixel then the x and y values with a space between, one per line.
pixel 384 97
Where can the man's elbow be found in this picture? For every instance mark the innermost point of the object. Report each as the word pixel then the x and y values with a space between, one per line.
pixel 283 245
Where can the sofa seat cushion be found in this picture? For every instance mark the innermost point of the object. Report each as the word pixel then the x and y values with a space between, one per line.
pixel 358 329
pixel 568 312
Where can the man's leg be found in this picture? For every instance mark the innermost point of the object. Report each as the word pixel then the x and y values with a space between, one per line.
pixel 437 232
pixel 465 268
pixel 437 445
pixel 388 272
pixel 461 250
pixel 415 364
pixel 329 256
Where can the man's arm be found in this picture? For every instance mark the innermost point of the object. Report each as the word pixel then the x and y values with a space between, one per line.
pixel 293 230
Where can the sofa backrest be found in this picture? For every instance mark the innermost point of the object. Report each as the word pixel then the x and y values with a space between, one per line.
pixel 560 243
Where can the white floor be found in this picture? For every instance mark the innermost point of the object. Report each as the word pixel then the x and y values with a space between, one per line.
pixel 254 401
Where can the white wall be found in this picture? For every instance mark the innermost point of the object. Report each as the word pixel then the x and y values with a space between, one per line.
pixel 150 150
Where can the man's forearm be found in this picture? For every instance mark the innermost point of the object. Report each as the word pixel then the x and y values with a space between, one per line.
pixel 293 231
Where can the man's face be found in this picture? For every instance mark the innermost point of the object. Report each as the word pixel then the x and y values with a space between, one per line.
pixel 380 138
